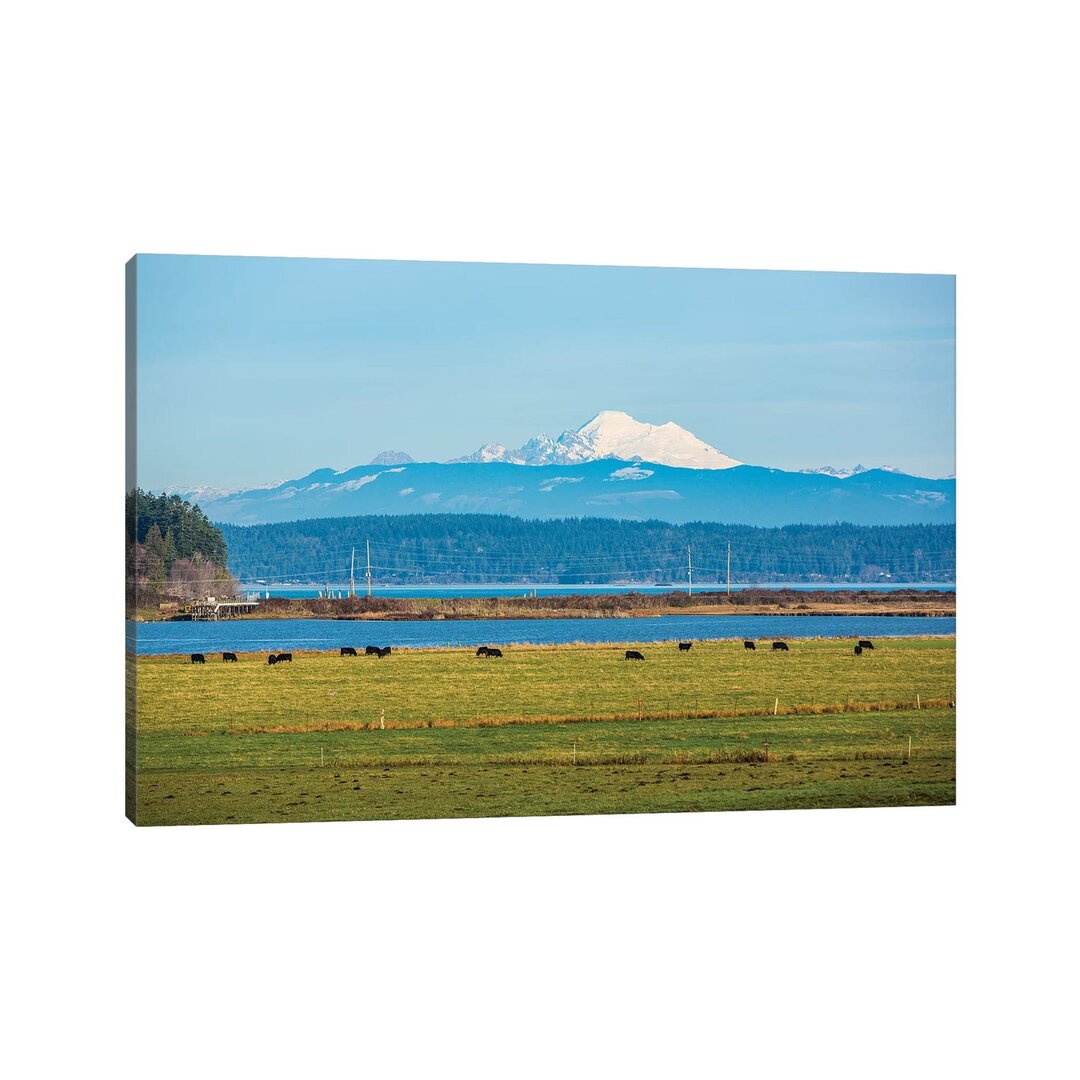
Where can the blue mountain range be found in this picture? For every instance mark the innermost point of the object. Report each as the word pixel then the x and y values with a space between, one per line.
pixel 638 490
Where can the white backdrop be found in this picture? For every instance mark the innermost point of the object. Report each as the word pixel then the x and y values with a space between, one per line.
pixel 927 137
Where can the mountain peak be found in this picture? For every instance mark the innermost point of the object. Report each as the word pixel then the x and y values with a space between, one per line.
pixel 490 451
pixel 608 416
pixel 618 435
pixel 855 470
pixel 839 474
pixel 612 434
pixel 392 457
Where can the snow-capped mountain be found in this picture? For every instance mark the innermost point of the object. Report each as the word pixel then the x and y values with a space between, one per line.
pixel 205 493
pixel 843 474
pixel 201 493
pixel 840 474
pixel 611 435
pixel 613 466
pixel 392 457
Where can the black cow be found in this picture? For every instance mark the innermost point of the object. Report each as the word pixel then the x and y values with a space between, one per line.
pixel 282 657
pixel 372 650
pixel 866 644
pixel 780 646
pixel 858 650
pixel 347 650
pixel 229 657
pixel 684 646
pixel 495 652
pixel 482 651
pixel 272 658
pixel 631 654
pixel 748 645
pixel 198 658
pixel 384 652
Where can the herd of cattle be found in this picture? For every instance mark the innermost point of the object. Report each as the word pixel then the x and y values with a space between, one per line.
pixel 491 651
pixel 778 646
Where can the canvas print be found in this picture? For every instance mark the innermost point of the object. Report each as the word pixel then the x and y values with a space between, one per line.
pixel 435 539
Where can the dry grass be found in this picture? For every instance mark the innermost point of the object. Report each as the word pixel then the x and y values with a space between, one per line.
pixel 594 718
pixel 618 605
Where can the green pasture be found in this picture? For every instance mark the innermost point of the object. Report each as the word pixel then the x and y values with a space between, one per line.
pixel 545 730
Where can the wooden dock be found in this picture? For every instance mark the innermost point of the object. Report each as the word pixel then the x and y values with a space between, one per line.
pixel 211 610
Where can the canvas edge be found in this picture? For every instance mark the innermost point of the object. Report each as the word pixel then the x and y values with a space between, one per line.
pixel 130 483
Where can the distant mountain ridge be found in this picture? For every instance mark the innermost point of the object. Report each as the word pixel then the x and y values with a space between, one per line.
pixel 640 490
pixel 843 474
pixel 392 457
pixel 613 466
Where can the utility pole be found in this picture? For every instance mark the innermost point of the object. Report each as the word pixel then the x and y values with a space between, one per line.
pixel 689 572
pixel 729 568
pixel 352 574
pixel 368 543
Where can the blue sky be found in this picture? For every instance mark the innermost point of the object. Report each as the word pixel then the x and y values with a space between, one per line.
pixel 252 370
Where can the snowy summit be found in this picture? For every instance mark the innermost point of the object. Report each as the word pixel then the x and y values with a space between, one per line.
pixel 392 457
pixel 612 435
pixel 843 473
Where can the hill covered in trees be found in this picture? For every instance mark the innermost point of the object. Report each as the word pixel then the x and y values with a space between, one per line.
pixel 173 550
pixel 457 549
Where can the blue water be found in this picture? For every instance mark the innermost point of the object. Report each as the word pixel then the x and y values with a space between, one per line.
pixel 265 635
pixel 306 592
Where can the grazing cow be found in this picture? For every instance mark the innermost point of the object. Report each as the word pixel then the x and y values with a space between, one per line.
pixel 372 650
pixel 283 656
pixel 347 650
pixel 632 654
pixel 384 652
pixel 866 644
pixel 684 646
pixel 780 646
pixel 748 645
pixel 198 658
pixel 482 651
pixel 272 658
pixel 858 650
pixel 495 652
pixel 229 657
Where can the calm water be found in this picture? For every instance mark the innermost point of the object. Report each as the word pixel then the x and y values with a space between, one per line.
pixel 264 635
pixel 305 592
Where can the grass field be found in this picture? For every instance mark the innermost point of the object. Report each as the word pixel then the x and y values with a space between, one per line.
pixel 571 729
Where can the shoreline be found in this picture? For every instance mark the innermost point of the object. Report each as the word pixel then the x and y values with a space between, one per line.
pixel 392 617
pixel 332 652
pixel 908 603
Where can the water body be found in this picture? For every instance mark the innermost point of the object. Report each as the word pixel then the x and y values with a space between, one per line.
pixel 306 592
pixel 276 635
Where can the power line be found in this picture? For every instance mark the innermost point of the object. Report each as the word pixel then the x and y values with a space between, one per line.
pixel 640 560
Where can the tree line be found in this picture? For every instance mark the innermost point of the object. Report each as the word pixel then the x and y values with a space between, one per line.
pixel 174 552
pixel 451 549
